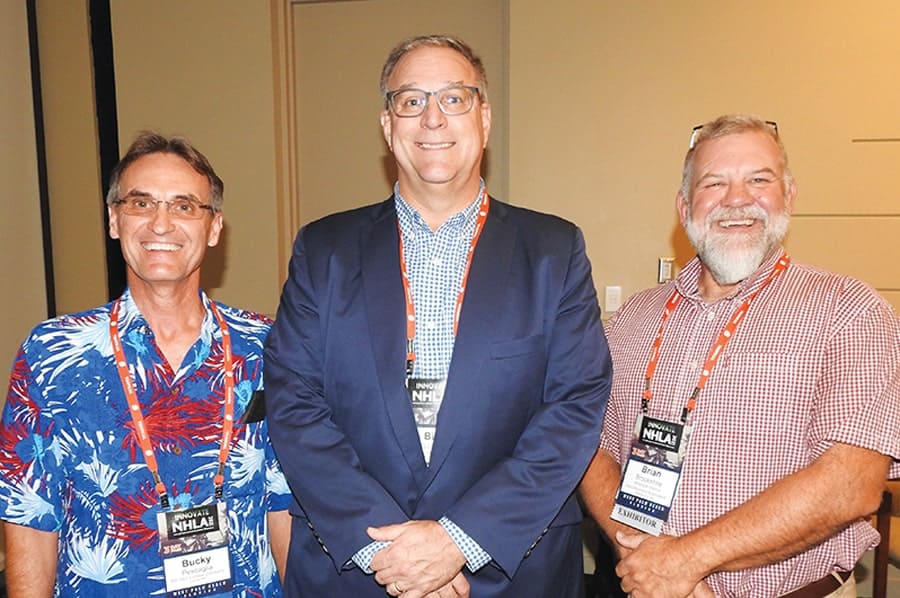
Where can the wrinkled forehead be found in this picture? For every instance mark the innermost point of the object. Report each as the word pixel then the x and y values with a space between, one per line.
pixel 430 66
pixel 746 149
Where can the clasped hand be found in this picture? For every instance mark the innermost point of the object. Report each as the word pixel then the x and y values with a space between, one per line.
pixel 421 561
pixel 653 567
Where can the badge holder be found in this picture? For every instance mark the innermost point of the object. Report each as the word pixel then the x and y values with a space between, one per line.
pixel 652 474
pixel 426 395
pixel 193 544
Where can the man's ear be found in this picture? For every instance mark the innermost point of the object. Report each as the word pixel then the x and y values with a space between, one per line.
pixel 790 193
pixel 215 229
pixel 113 222
pixel 486 122
pixel 683 206
pixel 386 128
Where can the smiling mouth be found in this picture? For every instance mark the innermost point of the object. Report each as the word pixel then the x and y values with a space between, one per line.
pixel 161 246
pixel 736 223
pixel 435 146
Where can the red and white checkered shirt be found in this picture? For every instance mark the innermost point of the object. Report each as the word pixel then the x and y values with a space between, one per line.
pixel 815 362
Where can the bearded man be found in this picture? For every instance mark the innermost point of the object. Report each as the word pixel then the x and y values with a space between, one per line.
pixel 755 406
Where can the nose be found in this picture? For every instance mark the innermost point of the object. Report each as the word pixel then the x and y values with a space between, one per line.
pixel 433 118
pixel 161 220
pixel 738 194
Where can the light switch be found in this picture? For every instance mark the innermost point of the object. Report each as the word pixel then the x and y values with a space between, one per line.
pixel 665 270
pixel 613 298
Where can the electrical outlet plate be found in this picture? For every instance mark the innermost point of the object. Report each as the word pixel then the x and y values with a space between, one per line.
pixel 665 270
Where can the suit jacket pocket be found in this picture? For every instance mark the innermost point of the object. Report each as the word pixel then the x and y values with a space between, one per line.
pixel 517 347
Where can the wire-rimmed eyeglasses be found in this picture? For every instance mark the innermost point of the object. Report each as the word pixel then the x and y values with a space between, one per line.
pixel 181 207
pixel 453 100
pixel 696 131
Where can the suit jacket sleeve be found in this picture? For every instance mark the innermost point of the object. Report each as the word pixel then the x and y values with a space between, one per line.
pixel 511 507
pixel 337 498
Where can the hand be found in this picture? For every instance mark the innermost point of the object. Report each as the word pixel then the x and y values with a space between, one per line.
pixel 656 567
pixel 421 559
pixel 457 588
pixel 703 591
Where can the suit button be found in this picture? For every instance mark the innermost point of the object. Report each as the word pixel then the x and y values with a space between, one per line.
pixel 527 553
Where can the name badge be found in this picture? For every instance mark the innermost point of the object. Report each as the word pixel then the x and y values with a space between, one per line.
pixel 193 544
pixel 426 395
pixel 652 474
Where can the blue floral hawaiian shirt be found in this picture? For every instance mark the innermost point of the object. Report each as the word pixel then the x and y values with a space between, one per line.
pixel 69 462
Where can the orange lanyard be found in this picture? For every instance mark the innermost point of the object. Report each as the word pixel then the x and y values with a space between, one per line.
pixel 137 417
pixel 483 209
pixel 717 349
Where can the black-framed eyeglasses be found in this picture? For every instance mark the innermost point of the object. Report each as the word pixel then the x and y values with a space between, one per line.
pixel 453 100
pixel 182 207
pixel 696 131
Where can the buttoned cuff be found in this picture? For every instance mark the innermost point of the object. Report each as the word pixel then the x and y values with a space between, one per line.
pixel 476 556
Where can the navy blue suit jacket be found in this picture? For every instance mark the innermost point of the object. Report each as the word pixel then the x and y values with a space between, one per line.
pixel 520 420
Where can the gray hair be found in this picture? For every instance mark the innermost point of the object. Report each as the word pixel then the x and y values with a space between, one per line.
pixel 731 124
pixel 433 41
pixel 150 142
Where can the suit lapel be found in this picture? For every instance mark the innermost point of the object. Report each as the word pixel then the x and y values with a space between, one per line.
pixel 386 316
pixel 481 310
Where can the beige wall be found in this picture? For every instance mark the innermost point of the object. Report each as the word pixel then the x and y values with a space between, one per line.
pixel 22 303
pixel 604 94
pixel 73 170
pixel 205 69
pixel 601 98
pixel 342 159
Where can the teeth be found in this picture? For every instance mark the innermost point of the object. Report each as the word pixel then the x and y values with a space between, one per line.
pixel 730 223
pixel 435 145
pixel 160 247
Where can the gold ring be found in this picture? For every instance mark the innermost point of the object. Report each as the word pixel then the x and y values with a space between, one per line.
pixel 397 588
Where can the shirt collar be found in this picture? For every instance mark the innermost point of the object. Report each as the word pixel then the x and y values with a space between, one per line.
pixel 688 280
pixel 130 315
pixel 411 220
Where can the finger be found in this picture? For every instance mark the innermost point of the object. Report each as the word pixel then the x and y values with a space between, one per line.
pixel 385 533
pixel 396 588
pixel 703 591
pixel 460 585
pixel 391 589
pixel 631 541
pixel 381 561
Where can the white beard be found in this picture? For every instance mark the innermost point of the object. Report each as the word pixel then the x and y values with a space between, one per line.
pixel 732 258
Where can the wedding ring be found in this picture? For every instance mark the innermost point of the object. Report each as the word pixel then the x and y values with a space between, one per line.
pixel 397 588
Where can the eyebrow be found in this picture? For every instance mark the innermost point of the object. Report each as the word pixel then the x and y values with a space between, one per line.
pixel 139 193
pixel 717 175
pixel 415 85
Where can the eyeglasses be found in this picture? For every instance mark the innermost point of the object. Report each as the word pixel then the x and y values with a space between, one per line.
pixel 142 205
pixel 453 100
pixel 696 131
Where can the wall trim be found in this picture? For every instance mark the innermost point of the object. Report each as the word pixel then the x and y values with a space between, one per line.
pixel 40 144
pixel 287 186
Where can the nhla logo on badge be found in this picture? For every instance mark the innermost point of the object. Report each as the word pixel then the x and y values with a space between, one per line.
pixel 662 434
pixel 193 521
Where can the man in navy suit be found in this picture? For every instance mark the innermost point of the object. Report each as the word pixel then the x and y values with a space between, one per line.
pixel 437 373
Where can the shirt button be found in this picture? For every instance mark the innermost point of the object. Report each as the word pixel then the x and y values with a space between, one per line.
pixel 692 366
pixel 436 261
pixel 430 325
pixel 710 315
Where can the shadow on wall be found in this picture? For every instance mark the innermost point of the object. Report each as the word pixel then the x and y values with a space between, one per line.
pixel 212 272
pixel 683 250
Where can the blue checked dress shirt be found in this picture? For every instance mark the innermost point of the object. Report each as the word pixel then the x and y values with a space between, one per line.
pixel 435 263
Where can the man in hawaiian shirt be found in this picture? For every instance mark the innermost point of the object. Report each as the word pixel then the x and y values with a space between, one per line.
pixel 134 457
